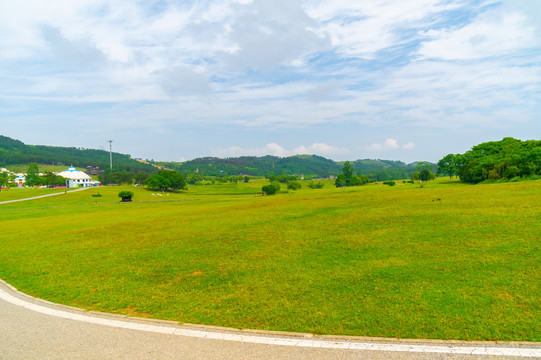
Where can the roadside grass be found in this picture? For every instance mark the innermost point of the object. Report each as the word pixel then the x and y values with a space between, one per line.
pixel 448 260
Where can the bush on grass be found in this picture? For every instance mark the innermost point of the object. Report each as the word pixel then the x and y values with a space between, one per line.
pixel 125 195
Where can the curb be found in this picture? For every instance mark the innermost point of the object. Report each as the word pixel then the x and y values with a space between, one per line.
pixel 266 333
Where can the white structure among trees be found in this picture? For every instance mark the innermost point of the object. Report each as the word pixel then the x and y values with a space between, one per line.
pixel 77 178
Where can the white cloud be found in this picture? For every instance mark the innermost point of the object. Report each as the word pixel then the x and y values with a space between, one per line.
pixel 275 149
pixel 323 91
pixel 408 146
pixel 183 80
pixel 330 70
pixel 388 144
pixel 489 35
pixel 362 28
pixel 270 33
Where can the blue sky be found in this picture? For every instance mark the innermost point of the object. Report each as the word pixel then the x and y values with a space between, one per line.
pixel 175 80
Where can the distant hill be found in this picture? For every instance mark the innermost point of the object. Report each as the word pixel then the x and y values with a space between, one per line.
pixel 307 165
pixel 14 152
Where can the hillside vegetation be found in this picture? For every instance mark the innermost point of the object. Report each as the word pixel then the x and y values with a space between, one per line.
pixel 308 165
pixel 14 152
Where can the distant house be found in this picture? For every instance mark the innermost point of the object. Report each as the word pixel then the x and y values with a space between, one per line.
pixel 20 179
pixel 78 178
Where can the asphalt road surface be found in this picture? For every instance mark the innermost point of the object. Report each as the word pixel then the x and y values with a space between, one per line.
pixel 35 329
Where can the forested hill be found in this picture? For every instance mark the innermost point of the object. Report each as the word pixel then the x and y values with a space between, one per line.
pixel 14 152
pixel 311 165
pixel 307 165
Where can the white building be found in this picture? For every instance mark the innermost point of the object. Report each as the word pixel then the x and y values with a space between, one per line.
pixel 20 179
pixel 77 178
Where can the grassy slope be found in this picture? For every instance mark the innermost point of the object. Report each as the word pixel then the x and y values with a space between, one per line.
pixel 374 260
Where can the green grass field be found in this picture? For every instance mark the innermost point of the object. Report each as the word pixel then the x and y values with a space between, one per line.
pixel 447 261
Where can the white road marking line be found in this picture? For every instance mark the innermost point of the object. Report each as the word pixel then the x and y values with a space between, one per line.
pixel 267 340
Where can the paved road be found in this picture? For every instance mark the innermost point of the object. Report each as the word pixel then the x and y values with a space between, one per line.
pixel 34 329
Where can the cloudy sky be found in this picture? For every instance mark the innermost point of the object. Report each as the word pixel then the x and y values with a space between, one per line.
pixel 345 79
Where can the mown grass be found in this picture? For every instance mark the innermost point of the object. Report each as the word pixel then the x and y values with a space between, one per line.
pixel 23 193
pixel 447 261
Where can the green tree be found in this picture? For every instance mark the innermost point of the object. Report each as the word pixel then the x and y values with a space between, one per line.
pixel 347 171
pixel 32 175
pixel 176 180
pixel 449 165
pixel 127 177
pixel 4 181
pixel 271 189
pixel 315 184
pixel 157 182
pixel 423 165
pixel 340 181
pixel 51 179
pixel 425 175
pixel 501 160
pixel 294 185
pixel 140 178
pixel 193 179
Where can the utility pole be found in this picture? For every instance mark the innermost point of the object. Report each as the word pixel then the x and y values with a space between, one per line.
pixel 111 154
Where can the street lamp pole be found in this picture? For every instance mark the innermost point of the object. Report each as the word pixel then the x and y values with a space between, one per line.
pixel 111 154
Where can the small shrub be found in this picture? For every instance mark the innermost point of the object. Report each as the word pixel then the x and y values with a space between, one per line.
pixel 389 182
pixel 269 189
pixel 96 195
pixel 294 185
pixel 125 195
pixel 316 184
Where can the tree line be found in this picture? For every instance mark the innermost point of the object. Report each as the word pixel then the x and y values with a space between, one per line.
pixel 505 160
pixel 33 178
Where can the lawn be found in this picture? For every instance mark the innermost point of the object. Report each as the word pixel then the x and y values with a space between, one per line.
pixel 22 193
pixel 448 260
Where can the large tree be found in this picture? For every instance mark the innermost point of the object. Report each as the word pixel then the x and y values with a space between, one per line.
pixel 450 165
pixel 32 175
pixel 176 179
pixel 157 182
pixel 500 160
pixel 347 170
pixel 166 180
pixel 51 179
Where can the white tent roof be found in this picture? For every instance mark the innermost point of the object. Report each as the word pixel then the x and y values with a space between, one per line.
pixel 74 174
